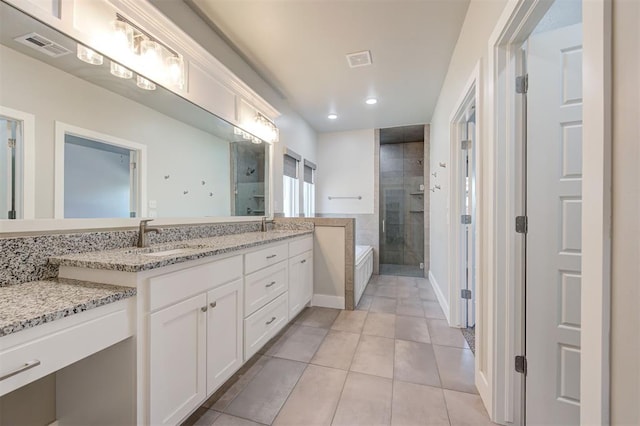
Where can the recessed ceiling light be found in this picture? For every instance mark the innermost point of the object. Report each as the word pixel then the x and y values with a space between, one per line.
pixel 371 101
pixel 332 116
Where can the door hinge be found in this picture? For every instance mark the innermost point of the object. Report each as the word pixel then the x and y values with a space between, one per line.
pixel 522 224
pixel 11 143
pixel 465 293
pixel 465 219
pixel 465 145
pixel 522 84
pixel 521 364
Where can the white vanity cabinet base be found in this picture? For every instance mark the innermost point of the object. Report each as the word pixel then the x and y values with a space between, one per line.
pixel 224 333
pixel 300 282
pixel 177 360
pixel 265 257
pixel 264 324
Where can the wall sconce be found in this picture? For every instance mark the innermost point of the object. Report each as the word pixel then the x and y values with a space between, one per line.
pixel 89 56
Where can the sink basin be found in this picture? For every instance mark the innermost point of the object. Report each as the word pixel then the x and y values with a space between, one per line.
pixel 173 250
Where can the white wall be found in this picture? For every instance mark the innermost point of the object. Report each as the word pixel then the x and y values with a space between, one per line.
pixel 481 17
pixel 295 132
pixel 346 169
pixel 625 291
pixel 188 155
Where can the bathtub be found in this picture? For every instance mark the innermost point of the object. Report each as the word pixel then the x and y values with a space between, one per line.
pixel 364 269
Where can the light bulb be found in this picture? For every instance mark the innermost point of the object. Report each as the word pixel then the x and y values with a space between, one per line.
pixel 122 38
pixel 371 101
pixel 89 56
pixel 175 71
pixel 332 116
pixel 120 71
pixel 151 54
pixel 145 84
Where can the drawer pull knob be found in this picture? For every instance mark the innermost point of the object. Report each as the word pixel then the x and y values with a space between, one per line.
pixel 26 366
pixel 271 320
pixel 303 261
pixel 213 304
pixel 204 309
pixel 270 284
pixel 271 256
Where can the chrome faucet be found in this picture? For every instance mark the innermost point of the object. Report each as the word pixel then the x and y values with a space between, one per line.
pixel 142 233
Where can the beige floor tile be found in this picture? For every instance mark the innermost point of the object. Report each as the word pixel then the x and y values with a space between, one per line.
pixel 386 280
pixel 408 293
pixel 371 289
pixel 263 397
pixel 432 309
pixel 456 367
pixel 365 303
pixel 201 417
pixel 412 328
pixel 374 355
pixel 351 321
pixel 465 409
pixel 314 399
pixel 318 317
pixel 337 350
pixel 427 294
pixel 227 420
pixel 442 334
pixel 244 375
pixel 406 282
pixel 418 405
pixel 415 363
pixel 365 400
pixel 386 291
pixel 299 343
pixel 380 324
pixel 410 307
pixel 383 304
pixel 423 283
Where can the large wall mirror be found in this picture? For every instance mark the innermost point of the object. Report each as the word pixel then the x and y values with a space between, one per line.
pixel 105 147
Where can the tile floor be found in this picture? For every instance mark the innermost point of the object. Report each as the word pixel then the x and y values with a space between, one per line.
pixel 393 361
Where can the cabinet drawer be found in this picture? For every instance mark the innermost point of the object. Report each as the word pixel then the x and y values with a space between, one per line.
pixel 264 324
pixel 300 246
pixel 263 286
pixel 265 257
pixel 88 333
pixel 179 285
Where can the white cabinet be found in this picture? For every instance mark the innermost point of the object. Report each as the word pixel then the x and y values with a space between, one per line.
pixel 264 324
pixel 224 333
pixel 300 282
pixel 177 357
pixel 263 286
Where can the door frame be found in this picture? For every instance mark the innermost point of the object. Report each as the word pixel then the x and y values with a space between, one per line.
pixel 501 185
pixel 28 164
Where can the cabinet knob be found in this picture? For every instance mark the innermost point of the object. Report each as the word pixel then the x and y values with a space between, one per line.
pixel 204 309
pixel 213 304
pixel 271 320
pixel 270 284
pixel 271 256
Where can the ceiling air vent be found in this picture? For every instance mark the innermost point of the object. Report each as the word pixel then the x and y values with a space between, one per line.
pixel 42 44
pixel 359 59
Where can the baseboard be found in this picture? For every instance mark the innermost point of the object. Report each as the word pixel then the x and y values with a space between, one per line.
pixel 324 301
pixel 441 299
pixel 55 423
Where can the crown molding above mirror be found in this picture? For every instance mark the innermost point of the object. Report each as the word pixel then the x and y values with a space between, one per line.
pixel 238 102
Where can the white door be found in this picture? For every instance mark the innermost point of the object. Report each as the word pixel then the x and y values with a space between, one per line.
pixel 224 333
pixel 177 360
pixel 553 248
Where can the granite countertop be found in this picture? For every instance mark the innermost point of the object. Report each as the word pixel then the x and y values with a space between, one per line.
pixel 134 259
pixel 30 304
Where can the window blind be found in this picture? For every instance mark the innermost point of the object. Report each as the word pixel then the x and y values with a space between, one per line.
pixel 309 167
pixel 290 167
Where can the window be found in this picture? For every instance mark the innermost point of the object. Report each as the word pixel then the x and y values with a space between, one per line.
pixel 290 186
pixel 309 189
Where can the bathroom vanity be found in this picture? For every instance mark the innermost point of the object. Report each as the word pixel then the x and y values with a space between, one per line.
pixel 203 308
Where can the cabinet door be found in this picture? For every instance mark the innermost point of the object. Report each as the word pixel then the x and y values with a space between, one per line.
pixel 177 360
pixel 224 333
pixel 300 282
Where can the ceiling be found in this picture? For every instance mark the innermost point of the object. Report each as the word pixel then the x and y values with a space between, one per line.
pixel 299 47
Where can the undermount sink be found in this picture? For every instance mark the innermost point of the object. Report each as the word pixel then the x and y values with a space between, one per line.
pixel 167 251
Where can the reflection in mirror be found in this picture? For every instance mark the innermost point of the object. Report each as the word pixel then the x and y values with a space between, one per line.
pixel 10 159
pixel 194 162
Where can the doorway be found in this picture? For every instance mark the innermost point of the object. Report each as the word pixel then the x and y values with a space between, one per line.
pixel 402 201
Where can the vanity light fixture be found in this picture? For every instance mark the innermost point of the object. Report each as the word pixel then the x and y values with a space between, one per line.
pixel 371 101
pixel 145 84
pixel 332 116
pixel 89 56
pixel 120 71
pixel 266 128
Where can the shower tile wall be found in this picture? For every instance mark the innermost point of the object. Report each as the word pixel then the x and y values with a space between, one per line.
pixel 402 203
